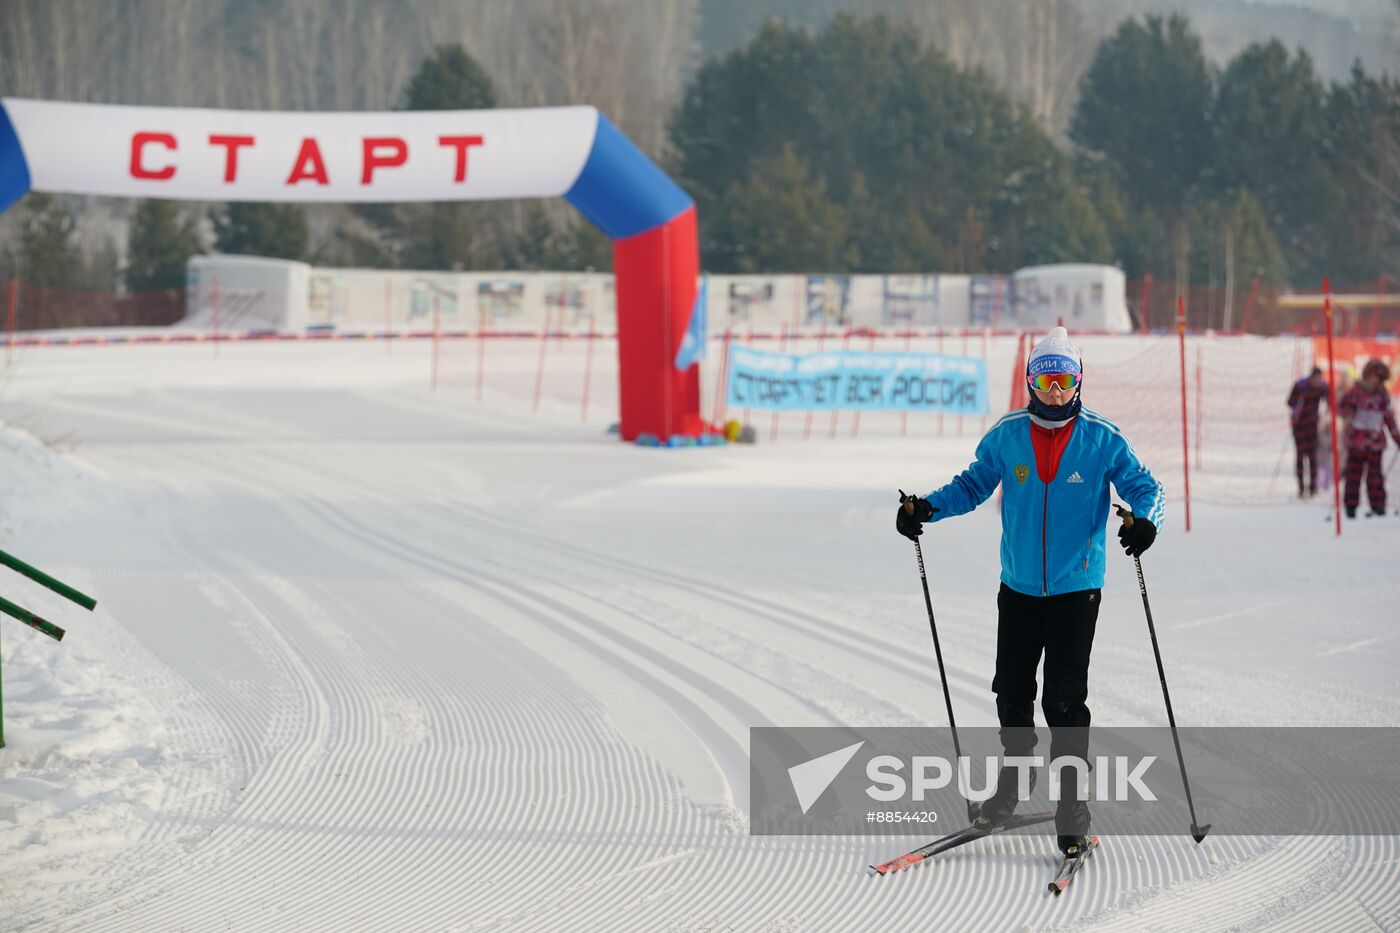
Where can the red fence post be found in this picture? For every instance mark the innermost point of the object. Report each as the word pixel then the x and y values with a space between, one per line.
pixel 904 415
pixel 821 344
pixel 723 377
pixel 845 345
pixel 1185 441
pixel 539 370
pixel 964 353
pixel 984 367
pixel 748 342
pixel 480 348
pixel 940 353
pixel 1376 308
pixel 587 368
pixel 1143 326
pixel 1332 402
pixel 855 420
pixel 1249 305
pixel 10 321
pixel 215 287
pixel 1020 390
pixel 1019 397
pixel 1200 404
pixel 437 340
pixel 782 348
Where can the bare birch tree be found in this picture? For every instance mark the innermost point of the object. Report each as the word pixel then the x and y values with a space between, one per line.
pixel 1036 50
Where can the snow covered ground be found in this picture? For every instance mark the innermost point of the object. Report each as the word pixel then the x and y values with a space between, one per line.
pixel 368 656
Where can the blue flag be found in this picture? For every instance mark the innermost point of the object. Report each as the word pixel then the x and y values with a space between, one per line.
pixel 692 348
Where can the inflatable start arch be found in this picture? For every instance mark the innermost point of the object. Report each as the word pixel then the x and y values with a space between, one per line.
pixel 444 155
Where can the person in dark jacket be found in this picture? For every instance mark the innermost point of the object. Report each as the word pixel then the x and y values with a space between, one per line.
pixel 1368 414
pixel 1303 401
pixel 1054 460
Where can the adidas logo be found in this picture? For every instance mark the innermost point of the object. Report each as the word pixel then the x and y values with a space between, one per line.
pixel 1075 478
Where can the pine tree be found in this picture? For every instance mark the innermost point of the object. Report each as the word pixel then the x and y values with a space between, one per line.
pixel 781 219
pixel 277 231
pixel 159 243
pixel 584 248
pixel 1362 143
pixel 102 268
pixel 450 79
pixel 863 129
pixel 445 236
pixel 1137 235
pixel 448 235
pixel 1144 106
pixel 1257 251
pixel 534 248
pixel 47 253
pixel 1270 124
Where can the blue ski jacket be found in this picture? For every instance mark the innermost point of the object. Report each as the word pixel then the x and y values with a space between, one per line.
pixel 1052 535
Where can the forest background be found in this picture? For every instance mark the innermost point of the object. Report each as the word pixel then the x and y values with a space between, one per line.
pixel 1232 142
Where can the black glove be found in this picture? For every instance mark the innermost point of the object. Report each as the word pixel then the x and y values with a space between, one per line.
pixel 913 512
pixel 1137 537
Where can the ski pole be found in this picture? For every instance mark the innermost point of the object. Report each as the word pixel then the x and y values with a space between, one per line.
pixel 1278 465
pixel 908 502
pixel 1198 832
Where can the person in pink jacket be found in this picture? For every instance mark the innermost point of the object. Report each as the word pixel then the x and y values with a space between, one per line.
pixel 1368 414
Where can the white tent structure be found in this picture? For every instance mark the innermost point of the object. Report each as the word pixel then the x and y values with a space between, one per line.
pixel 246 293
pixel 274 294
pixel 1081 296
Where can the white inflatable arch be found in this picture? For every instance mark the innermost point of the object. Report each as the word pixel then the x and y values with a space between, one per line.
pixel 443 155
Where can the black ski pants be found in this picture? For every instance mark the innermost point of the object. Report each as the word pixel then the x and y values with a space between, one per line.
pixel 1062 627
pixel 1305 461
pixel 1369 463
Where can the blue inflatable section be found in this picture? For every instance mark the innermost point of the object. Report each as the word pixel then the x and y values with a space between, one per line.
pixel 621 190
pixel 14 170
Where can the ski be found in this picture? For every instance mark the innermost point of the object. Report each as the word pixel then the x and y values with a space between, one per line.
pixel 1070 867
pixel 953 840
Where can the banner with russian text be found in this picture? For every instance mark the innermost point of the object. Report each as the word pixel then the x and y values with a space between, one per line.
pixel 856 380
pixel 245 155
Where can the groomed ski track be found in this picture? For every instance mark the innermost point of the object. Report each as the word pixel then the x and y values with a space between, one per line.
pixel 372 657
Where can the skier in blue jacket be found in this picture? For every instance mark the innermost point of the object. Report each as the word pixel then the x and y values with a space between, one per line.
pixel 1054 460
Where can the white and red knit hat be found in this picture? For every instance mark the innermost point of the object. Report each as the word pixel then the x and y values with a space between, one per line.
pixel 1055 353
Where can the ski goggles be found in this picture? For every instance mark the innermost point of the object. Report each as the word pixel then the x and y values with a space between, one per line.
pixel 1044 382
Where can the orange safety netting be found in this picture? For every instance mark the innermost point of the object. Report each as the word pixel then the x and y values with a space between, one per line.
pixel 1237 442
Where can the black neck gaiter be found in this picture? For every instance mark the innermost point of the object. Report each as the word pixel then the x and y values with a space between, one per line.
pixel 1059 413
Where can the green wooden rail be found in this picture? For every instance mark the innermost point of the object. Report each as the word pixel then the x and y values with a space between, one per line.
pixel 38 576
pixel 35 622
pixel 31 620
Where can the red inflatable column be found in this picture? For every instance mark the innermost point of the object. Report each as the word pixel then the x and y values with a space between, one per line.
pixel 656 274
